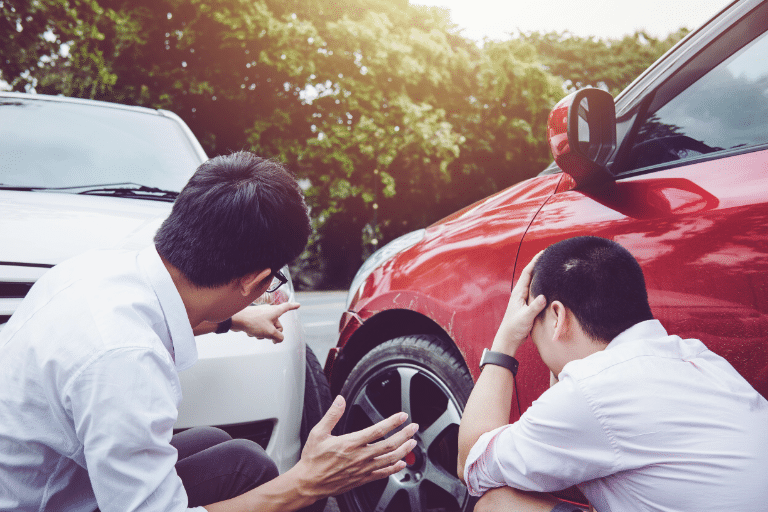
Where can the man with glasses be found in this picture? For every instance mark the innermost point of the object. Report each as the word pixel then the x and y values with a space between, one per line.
pixel 89 387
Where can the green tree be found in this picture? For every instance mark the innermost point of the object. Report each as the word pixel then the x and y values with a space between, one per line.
pixel 611 63
pixel 54 41
pixel 390 118
pixel 381 140
pixel 504 124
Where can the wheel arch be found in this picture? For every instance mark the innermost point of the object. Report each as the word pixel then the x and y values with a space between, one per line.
pixel 382 327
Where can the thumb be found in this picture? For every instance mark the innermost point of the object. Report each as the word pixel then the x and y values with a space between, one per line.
pixel 535 307
pixel 276 336
pixel 332 417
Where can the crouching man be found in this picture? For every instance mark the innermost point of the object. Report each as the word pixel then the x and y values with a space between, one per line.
pixel 639 419
pixel 89 362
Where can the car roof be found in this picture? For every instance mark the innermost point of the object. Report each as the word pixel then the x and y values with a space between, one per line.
pixel 681 53
pixel 80 101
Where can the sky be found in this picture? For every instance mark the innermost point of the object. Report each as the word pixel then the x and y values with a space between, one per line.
pixel 495 19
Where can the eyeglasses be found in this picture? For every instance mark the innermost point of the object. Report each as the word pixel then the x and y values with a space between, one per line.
pixel 281 280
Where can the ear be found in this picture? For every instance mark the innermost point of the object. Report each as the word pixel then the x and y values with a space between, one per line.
pixel 561 318
pixel 249 282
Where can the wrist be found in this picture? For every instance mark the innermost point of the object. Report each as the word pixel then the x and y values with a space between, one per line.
pixel 304 487
pixel 224 326
pixel 506 346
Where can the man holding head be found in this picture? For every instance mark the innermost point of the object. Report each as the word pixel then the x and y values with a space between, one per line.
pixel 638 419
pixel 89 387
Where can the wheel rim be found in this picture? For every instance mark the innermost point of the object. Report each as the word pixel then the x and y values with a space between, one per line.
pixel 428 482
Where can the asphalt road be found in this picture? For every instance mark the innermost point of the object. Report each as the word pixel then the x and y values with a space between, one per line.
pixel 320 313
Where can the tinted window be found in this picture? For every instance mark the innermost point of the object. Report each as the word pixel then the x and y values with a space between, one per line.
pixel 726 108
pixel 62 144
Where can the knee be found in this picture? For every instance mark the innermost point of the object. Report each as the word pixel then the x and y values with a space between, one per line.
pixel 486 503
pixel 211 435
pixel 253 459
pixel 504 499
pixel 492 501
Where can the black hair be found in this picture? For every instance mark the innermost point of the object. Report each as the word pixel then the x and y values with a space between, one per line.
pixel 598 280
pixel 238 214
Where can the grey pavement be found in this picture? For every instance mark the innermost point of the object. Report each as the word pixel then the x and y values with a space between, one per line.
pixel 320 313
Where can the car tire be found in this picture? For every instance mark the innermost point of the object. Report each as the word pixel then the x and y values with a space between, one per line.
pixel 426 378
pixel 317 400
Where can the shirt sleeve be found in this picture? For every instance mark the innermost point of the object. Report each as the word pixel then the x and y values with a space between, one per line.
pixel 557 443
pixel 124 406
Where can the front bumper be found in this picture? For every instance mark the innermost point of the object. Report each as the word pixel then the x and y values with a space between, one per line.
pixel 239 381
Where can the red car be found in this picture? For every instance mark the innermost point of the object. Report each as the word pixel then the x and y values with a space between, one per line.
pixel 675 170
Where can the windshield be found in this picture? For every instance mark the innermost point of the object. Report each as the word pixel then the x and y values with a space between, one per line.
pixel 56 144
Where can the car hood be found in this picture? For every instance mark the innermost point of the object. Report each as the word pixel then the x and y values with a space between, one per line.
pixel 47 228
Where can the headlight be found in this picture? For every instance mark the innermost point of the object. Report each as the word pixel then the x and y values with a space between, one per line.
pixel 282 294
pixel 379 257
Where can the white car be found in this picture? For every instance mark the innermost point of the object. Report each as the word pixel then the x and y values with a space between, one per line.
pixel 78 175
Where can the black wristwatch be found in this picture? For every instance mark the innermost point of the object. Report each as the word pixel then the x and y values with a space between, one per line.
pixel 499 359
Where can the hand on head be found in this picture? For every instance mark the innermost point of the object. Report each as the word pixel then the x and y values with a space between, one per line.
pixel 521 311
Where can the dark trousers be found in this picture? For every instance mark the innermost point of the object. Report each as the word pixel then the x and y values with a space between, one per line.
pixel 214 467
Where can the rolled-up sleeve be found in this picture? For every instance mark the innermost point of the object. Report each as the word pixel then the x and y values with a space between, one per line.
pixel 124 405
pixel 558 442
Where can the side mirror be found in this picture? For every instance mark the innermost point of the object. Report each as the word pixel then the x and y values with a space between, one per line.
pixel 581 131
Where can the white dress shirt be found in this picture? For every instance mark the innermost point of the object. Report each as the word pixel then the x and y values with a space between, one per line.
pixel 89 388
pixel 651 423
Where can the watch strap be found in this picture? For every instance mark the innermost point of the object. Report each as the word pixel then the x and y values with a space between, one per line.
pixel 499 359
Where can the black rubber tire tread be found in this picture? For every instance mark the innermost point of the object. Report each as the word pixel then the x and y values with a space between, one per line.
pixel 424 349
pixel 317 395
pixel 317 400
pixel 447 353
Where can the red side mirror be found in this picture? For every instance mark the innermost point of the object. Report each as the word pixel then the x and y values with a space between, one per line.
pixel 581 131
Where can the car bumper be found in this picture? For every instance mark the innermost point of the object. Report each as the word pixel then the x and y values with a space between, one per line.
pixel 244 383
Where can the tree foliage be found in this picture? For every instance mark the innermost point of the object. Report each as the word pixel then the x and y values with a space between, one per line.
pixel 390 118
pixel 37 38
pixel 591 61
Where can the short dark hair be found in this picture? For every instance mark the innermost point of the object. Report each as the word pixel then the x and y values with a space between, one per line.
pixel 597 279
pixel 238 214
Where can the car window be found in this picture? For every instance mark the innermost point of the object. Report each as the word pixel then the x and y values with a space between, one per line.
pixel 727 108
pixel 66 144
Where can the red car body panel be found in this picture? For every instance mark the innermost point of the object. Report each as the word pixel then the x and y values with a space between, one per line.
pixel 422 279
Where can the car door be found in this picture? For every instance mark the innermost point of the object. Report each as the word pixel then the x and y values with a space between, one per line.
pixel 690 201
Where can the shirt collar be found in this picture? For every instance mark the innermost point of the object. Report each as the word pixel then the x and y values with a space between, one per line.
pixel 647 329
pixel 182 347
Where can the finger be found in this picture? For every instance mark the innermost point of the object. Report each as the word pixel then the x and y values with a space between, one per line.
pixel 285 307
pixel 379 430
pixel 528 270
pixel 392 457
pixel 524 281
pixel 277 337
pixel 536 306
pixel 396 440
pixel 331 418
pixel 389 470
pixel 278 325
pixel 373 475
